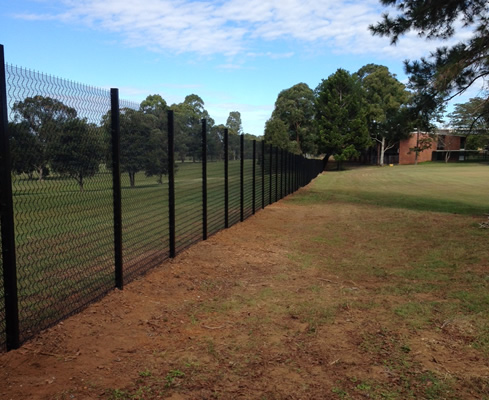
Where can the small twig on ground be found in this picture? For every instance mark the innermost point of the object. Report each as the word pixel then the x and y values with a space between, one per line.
pixel 484 225
pixel 327 280
pixel 60 356
pixel 213 327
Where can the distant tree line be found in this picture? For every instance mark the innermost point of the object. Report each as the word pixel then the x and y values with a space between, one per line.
pixel 346 114
pixel 47 136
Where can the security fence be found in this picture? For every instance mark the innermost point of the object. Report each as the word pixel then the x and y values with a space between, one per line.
pixel 96 191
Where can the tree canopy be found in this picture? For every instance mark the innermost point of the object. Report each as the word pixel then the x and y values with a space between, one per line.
pixel 136 141
pixel 341 117
pixel 77 151
pixel 234 124
pixel 42 119
pixel 449 70
pixel 295 108
pixel 472 119
pixel 385 101
pixel 276 133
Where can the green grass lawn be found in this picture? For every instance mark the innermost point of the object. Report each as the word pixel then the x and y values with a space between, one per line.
pixel 452 188
pixel 410 236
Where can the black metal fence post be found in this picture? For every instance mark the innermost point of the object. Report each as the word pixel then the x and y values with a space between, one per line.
pixel 276 173
pixel 7 220
pixel 291 172
pixel 286 173
pixel 241 178
pixel 282 174
pixel 253 190
pixel 263 174
pixel 116 187
pixel 297 166
pixel 226 178
pixel 204 179
pixel 271 174
pixel 171 181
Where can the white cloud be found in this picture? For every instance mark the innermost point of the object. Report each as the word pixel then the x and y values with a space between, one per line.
pixel 234 27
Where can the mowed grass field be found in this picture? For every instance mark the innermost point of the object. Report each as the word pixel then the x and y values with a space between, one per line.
pixel 409 242
pixel 452 188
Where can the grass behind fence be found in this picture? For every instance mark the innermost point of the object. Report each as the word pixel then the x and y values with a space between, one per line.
pixel 65 236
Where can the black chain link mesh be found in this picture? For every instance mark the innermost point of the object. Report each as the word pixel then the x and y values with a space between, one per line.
pixel 234 170
pixel 144 189
pixel 60 143
pixel 248 179
pixel 62 196
pixel 215 186
pixel 188 181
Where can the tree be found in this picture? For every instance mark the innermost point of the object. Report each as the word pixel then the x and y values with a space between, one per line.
pixel 153 104
pixel 157 157
pixel 449 71
pixel 25 152
pixel 77 151
pixel 472 119
pixel 446 143
pixel 385 99
pixel 188 117
pixel 295 108
pixel 340 117
pixel 215 142
pixel 423 142
pixel 136 132
pixel 233 123
pixel 276 133
pixel 45 118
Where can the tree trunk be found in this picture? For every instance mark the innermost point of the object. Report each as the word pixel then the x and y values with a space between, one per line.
pixel 80 182
pixel 40 170
pixel 325 161
pixel 132 179
pixel 382 150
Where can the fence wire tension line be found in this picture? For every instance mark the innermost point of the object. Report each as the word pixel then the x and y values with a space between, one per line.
pixel 95 191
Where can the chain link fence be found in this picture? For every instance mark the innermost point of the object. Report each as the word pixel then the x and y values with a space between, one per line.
pixel 62 196
pixel 76 159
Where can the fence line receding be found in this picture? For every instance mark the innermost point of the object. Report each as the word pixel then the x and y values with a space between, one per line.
pixel 102 190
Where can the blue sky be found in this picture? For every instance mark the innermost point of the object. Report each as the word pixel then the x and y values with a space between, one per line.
pixel 236 55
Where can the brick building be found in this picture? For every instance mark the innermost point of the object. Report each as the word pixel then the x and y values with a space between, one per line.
pixel 444 144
